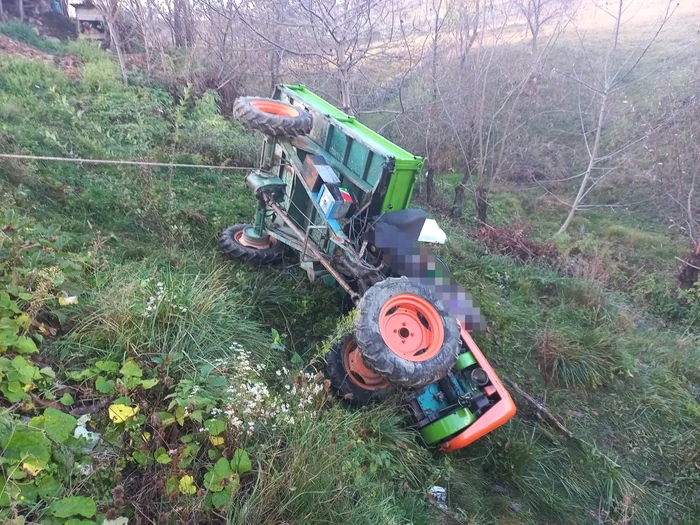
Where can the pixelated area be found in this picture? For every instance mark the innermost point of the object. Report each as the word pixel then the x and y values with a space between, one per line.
pixel 405 256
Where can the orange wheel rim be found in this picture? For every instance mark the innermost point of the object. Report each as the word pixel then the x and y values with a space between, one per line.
pixel 259 244
pixel 411 327
pixel 272 107
pixel 357 372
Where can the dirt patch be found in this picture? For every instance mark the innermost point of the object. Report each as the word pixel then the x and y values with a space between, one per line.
pixel 57 25
pixel 69 63
pixel 511 241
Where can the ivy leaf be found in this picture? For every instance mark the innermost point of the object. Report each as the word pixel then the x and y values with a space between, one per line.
pixel 26 372
pixel 147 384
pixel 48 372
pixel 221 499
pixel 107 366
pixel 180 416
pixel 212 482
pixel 12 394
pixel 31 448
pixel 130 368
pixel 73 506
pixel 49 487
pixel 162 456
pixel 241 462
pixel 166 419
pixel 187 485
pixel 171 485
pixel 131 382
pixel 222 468
pixel 59 425
pixel 216 381
pixel 66 399
pixel 104 386
pixel 25 345
pixel 215 426
pixel 139 457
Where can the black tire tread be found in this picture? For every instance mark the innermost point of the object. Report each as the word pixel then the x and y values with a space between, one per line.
pixel 273 125
pixel 376 354
pixel 233 250
pixel 346 389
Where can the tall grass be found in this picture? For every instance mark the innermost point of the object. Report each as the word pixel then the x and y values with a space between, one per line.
pixel 188 316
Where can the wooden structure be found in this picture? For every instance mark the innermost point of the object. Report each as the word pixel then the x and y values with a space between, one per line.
pixel 89 21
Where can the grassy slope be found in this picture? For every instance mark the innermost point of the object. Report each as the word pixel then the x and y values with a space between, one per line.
pixel 619 382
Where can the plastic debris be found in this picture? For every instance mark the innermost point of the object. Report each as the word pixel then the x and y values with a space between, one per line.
pixel 91 438
pixel 438 496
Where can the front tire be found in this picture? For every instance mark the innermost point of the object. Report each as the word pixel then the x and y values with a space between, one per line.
pixel 233 245
pixel 405 334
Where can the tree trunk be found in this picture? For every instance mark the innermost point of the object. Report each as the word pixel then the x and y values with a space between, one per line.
pixel 274 69
pixel 593 158
pixel 482 204
pixel 534 44
pixel 458 203
pixel 179 35
pixel 429 183
pixel 345 92
pixel 117 41
pixel 20 6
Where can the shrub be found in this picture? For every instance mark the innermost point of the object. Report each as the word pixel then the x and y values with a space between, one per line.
pixel 101 76
pixel 25 33
pixel 208 133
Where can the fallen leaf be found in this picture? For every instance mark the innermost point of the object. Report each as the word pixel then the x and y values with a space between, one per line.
pixel 187 485
pixel 121 413
pixel 67 301
pixel 216 440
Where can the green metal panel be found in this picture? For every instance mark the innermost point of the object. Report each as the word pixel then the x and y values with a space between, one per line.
pixel 362 151
pixel 372 139
pixel 447 426
pixel 465 360
pixel 398 194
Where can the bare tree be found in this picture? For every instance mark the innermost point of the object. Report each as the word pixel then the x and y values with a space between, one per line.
pixel 492 82
pixel 539 13
pixel 111 10
pixel 441 12
pixel 469 14
pixel 603 83
pixel 337 36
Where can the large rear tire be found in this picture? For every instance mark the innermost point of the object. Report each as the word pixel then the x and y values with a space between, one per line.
pixel 405 334
pixel 272 117
pixel 233 244
pixel 353 382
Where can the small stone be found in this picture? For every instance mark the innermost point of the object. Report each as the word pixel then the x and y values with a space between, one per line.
pixel 53 39
pixel 500 489
pixel 515 507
